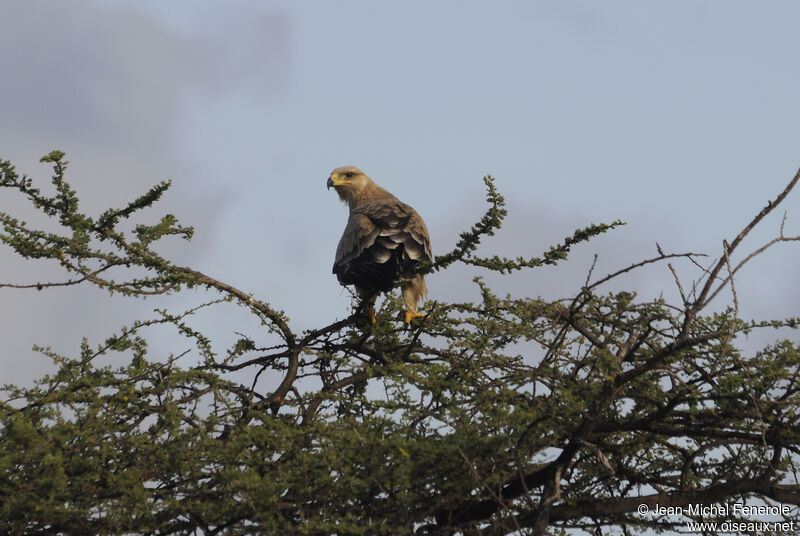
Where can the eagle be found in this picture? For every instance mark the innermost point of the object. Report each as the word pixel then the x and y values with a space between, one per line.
pixel 383 243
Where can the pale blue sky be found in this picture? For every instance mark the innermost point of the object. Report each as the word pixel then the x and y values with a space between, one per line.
pixel 679 117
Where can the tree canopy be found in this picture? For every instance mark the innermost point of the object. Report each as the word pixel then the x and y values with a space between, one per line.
pixel 508 415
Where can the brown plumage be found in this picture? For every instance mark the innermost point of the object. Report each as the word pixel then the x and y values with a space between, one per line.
pixel 383 243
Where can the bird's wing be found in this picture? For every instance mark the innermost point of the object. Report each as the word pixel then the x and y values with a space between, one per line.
pixel 371 239
pixel 418 242
pixel 359 234
pixel 398 224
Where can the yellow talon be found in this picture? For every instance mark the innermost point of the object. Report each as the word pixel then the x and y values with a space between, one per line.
pixel 412 315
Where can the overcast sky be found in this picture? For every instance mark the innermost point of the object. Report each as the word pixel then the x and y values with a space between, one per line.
pixel 680 118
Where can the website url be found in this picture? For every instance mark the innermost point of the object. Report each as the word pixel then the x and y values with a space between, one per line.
pixel 740 526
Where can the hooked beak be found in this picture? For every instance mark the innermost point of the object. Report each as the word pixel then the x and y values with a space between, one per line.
pixel 330 182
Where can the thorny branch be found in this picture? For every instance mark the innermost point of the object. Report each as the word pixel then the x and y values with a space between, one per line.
pixel 547 404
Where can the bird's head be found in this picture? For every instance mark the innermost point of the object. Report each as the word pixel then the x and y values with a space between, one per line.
pixel 349 182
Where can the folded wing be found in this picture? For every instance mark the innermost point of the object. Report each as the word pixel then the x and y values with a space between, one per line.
pixel 381 246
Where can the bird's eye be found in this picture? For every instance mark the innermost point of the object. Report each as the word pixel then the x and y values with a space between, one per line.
pixel 349 174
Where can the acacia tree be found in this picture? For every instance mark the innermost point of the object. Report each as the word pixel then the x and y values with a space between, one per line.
pixel 443 428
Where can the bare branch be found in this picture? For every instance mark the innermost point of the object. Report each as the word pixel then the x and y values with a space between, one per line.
pixel 661 257
pixel 701 300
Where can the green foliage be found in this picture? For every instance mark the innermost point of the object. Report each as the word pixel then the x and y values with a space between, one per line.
pixel 491 222
pixel 505 415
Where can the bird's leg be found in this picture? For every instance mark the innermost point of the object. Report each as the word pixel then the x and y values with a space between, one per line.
pixel 411 315
pixel 412 292
pixel 369 299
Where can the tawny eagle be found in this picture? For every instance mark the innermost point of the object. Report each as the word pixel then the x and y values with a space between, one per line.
pixel 384 242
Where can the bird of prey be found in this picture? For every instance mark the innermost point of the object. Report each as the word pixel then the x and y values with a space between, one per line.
pixel 383 243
